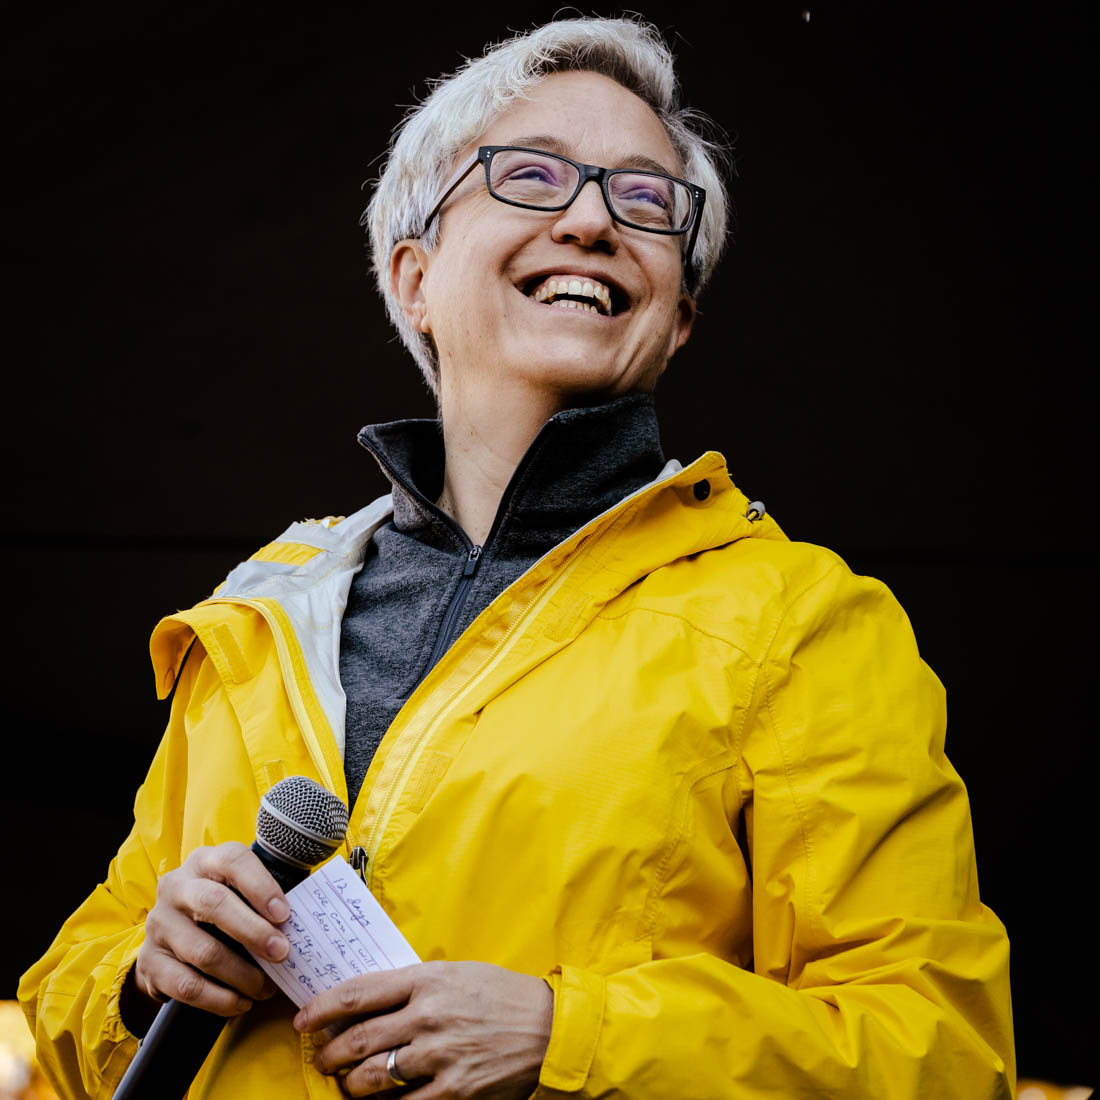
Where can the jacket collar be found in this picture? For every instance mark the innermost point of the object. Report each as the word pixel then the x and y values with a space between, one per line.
pixel 581 463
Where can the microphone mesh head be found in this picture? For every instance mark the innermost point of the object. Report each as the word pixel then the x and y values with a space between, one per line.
pixel 301 822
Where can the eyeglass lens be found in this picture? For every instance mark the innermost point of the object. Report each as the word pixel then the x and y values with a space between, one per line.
pixel 536 179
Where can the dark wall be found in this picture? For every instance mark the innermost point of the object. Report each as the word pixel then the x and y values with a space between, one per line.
pixel 893 356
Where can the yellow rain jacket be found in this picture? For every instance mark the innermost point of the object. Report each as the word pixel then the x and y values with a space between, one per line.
pixel 690 772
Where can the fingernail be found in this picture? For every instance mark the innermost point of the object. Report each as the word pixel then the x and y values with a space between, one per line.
pixel 278 909
pixel 277 948
pixel 300 1021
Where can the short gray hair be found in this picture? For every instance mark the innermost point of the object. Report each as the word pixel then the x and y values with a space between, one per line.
pixel 462 105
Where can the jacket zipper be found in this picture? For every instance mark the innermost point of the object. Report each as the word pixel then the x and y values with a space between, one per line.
pixel 374 835
pixel 358 862
pixel 474 553
pixel 454 608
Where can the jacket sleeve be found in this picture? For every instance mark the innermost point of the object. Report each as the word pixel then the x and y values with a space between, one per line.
pixel 877 971
pixel 71 995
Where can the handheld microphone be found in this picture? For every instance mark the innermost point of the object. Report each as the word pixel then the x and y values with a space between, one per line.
pixel 299 825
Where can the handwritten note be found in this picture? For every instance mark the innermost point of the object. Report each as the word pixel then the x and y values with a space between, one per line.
pixel 336 931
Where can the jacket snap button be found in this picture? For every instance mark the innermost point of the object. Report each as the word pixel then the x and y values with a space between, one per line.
pixel 701 489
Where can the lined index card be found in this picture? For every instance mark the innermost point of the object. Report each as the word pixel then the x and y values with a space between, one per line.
pixel 336 930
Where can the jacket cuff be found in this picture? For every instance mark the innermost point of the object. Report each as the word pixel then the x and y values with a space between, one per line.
pixel 578 1016
pixel 124 1043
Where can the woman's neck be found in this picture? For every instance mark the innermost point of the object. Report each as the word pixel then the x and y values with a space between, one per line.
pixel 485 434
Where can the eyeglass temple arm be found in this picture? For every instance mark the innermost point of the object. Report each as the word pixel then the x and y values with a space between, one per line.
pixel 702 200
pixel 450 191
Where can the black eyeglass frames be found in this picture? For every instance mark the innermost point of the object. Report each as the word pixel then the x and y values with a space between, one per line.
pixel 537 180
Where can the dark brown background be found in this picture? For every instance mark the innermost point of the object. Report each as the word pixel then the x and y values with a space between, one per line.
pixel 893 356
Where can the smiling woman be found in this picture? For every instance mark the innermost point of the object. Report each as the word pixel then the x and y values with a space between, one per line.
pixel 659 794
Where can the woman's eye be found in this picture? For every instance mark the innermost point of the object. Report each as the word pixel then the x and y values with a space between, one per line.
pixel 534 172
pixel 647 194
pixel 526 171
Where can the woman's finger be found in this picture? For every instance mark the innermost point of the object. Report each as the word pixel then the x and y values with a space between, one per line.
pixel 373 1075
pixel 196 947
pixel 361 1040
pixel 239 867
pixel 164 974
pixel 381 991
pixel 208 901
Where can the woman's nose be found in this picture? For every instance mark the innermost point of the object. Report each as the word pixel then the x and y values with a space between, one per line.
pixel 587 221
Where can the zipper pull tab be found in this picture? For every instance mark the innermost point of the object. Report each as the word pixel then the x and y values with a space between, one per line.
pixel 472 561
pixel 358 862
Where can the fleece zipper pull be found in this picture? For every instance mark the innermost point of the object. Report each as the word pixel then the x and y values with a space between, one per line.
pixel 472 560
pixel 454 608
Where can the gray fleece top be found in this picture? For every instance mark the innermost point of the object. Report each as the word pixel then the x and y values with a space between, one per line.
pixel 423 582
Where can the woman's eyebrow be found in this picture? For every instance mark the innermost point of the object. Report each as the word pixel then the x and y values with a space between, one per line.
pixel 555 145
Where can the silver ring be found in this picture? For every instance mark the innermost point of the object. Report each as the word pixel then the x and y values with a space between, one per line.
pixel 391 1068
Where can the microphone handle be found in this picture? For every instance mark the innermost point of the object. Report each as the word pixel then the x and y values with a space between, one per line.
pixel 181 1035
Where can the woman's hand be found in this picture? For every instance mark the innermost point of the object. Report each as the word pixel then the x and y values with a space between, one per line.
pixel 179 958
pixel 461 1029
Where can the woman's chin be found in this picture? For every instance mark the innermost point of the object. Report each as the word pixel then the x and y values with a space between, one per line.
pixel 577 377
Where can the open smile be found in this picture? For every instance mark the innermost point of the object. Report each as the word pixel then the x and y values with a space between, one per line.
pixel 570 291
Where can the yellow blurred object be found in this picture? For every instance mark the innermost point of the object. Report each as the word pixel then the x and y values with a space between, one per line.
pixel 20 1076
pixel 1029 1089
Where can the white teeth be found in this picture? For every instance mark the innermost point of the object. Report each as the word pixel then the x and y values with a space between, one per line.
pixel 575 288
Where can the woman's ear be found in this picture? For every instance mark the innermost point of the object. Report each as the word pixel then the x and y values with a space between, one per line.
pixel 408 266
pixel 685 319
